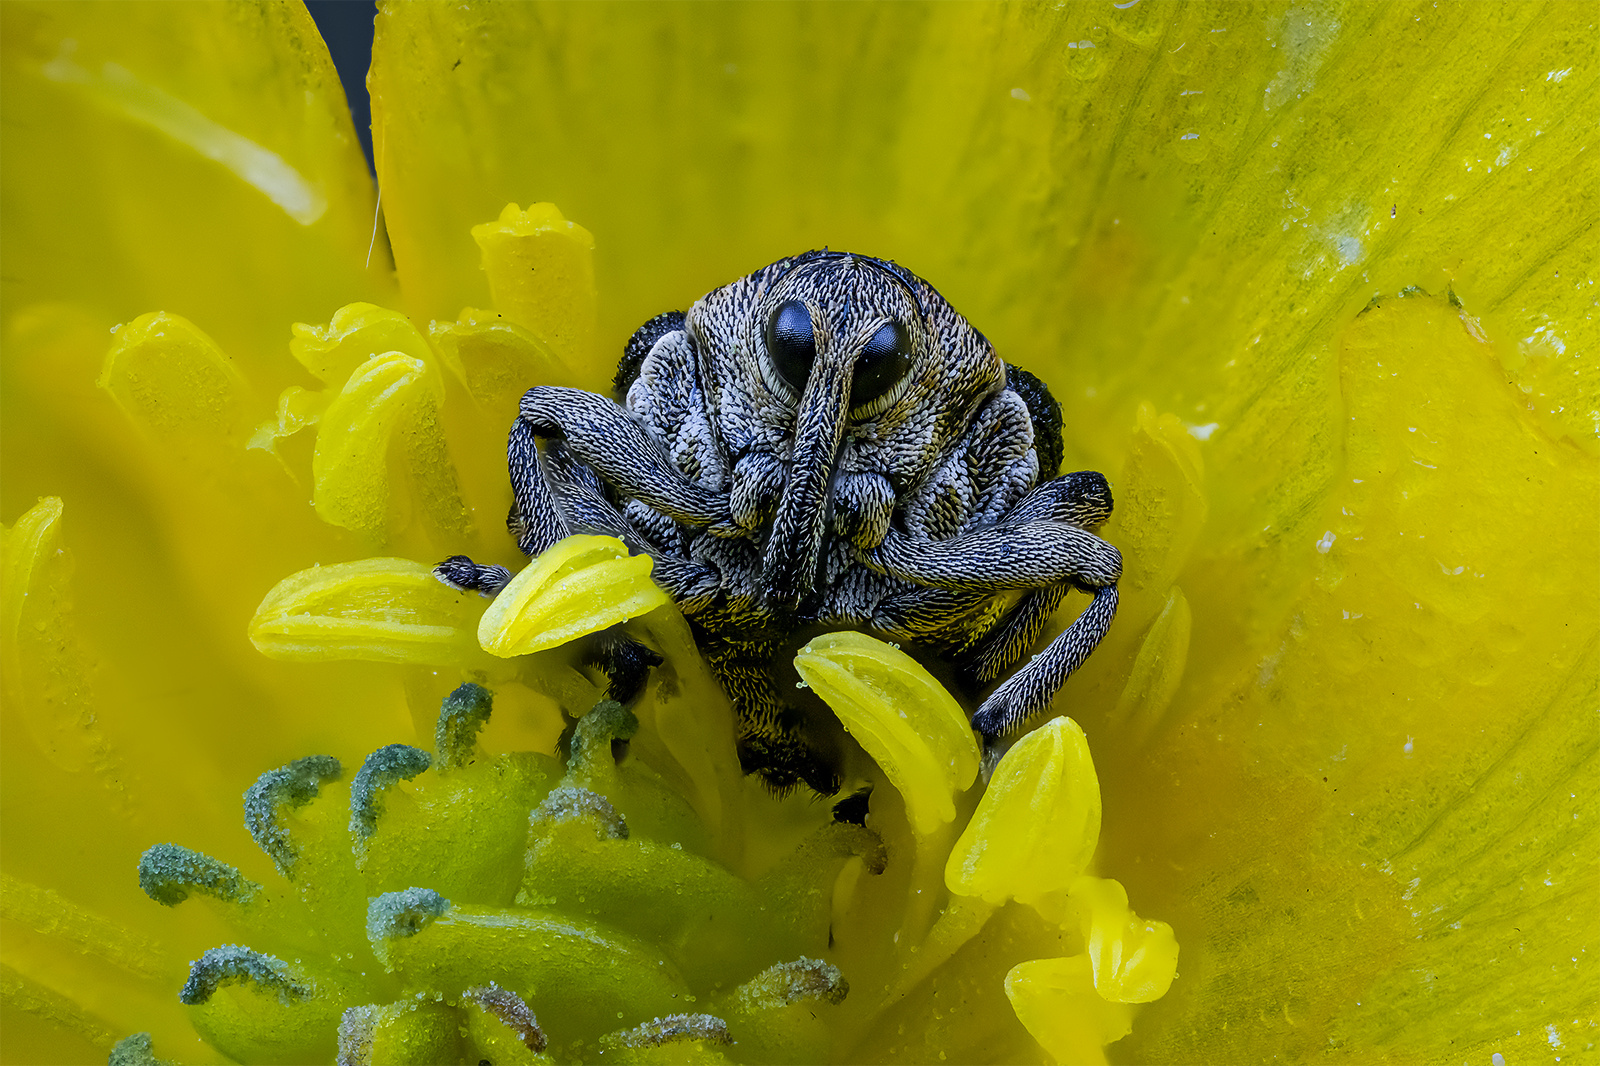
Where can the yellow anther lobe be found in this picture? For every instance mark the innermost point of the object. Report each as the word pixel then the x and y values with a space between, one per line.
pixel 901 716
pixel 581 585
pixel 1036 827
pixel 1055 1000
pixel 388 610
pixel 1134 960
pixel 174 382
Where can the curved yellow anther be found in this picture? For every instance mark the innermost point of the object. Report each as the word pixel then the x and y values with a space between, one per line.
pixel 392 396
pixel 581 585
pixel 356 333
pixel 1037 825
pixel 904 719
pixel 389 610
pixel 541 275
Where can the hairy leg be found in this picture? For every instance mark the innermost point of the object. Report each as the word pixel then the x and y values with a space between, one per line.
pixel 1030 690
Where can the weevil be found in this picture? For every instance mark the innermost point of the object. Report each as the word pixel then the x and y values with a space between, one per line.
pixel 824 444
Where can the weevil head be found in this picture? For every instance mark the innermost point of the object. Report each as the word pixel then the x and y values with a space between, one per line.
pixel 834 362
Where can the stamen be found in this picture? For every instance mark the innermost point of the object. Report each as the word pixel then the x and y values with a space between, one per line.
pixel 568 804
pixel 1056 1002
pixel 354 334
pixel 277 792
pixel 791 982
pixel 383 768
pixel 233 963
pixel 168 873
pixel 382 610
pixel 1036 827
pixel 541 275
pixel 904 719
pixel 581 585
pixel 673 1029
pixel 1134 960
pixel 509 1010
pixel 461 715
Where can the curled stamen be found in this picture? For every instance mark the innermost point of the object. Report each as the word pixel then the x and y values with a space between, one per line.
pixel 384 767
pixel 461 715
pixel 234 963
pixel 169 872
pixel 281 790
pixel 673 1029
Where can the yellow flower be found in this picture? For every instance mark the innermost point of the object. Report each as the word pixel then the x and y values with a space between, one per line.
pixel 1311 284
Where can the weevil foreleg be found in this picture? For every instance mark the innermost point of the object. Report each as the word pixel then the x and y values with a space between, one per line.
pixel 1030 690
pixel 617 447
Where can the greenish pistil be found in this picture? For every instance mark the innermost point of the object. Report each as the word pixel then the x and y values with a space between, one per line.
pixel 281 790
pixel 169 872
pixel 512 1012
pixel 234 963
pixel 135 1050
pixel 591 740
pixel 384 767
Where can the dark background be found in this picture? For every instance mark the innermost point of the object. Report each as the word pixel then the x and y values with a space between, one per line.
pixel 347 27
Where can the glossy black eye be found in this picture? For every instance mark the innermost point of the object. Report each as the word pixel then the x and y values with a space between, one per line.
pixel 883 362
pixel 791 344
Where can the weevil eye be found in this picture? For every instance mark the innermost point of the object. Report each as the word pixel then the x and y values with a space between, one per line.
pixel 791 344
pixel 883 362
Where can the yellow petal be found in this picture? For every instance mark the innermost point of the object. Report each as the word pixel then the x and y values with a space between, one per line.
pixel 541 276
pixel 1037 825
pixel 386 610
pixel 226 181
pixel 581 585
pixel 1156 672
pixel 900 715
pixel 1161 506
pixel 1056 1000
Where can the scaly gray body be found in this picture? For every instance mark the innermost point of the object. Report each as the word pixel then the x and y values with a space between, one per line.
pixel 824 444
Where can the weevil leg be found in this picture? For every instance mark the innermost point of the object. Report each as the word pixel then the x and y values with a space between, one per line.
pixel 1030 690
pixel 1081 499
pixel 1009 555
pixel 614 444
pixel 535 520
pixel 462 573
pixel 1005 645
pixel 625 662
